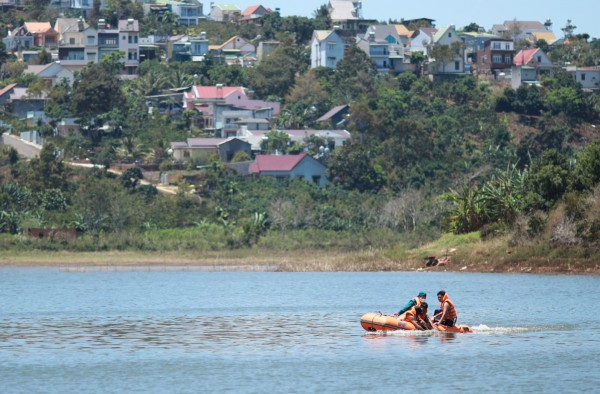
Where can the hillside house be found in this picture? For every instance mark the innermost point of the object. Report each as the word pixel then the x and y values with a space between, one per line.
pixel 290 167
pixel 326 49
pixel 421 39
pixel 202 148
pixel 335 116
pixel 224 13
pixel 496 57
pixel 52 72
pixel 588 77
pixel 448 47
pixel 212 102
pixel 388 57
pixel 535 58
pixel 253 14
pixel 521 30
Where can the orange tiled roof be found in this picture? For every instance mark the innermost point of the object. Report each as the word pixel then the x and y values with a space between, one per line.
pixel 38 27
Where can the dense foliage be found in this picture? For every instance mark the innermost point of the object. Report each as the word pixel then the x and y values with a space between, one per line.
pixel 424 157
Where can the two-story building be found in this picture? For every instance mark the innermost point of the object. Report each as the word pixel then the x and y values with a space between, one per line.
pixel 496 57
pixel 31 34
pixel 129 33
pixel 447 53
pixel 224 13
pixel 188 12
pixel 388 57
pixel 326 49
pixel 80 44
pixel 213 102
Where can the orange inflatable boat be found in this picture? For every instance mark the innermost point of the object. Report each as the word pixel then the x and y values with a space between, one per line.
pixel 377 321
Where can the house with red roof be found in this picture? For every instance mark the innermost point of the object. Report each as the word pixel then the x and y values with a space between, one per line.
pixel 529 65
pixel 253 14
pixel 43 33
pixel 213 102
pixel 290 167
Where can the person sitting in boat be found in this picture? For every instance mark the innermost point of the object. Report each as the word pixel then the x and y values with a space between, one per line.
pixel 446 315
pixel 423 317
pixel 414 302
pixel 412 316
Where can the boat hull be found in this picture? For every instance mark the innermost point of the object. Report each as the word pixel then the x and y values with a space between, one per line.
pixel 377 321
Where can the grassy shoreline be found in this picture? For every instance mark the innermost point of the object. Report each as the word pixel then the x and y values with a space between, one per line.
pixel 481 257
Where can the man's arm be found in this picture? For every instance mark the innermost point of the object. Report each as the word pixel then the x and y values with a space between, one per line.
pixel 409 305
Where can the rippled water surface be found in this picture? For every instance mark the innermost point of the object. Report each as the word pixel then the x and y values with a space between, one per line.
pixel 155 331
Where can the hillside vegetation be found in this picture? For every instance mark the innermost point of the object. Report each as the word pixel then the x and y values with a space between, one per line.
pixel 425 159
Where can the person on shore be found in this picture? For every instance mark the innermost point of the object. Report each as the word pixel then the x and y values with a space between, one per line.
pixel 414 302
pixel 446 315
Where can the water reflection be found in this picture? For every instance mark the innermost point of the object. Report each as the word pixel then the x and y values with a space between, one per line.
pixel 196 333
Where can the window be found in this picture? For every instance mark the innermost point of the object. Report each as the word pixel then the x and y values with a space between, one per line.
pixel 91 40
pixel 316 179
pixel 91 56
pixel 72 40
pixel 507 46
pixel 539 59
pixel 449 35
pixel 457 65
pixel 496 45
pixel 583 77
pixel 497 59
pixel 507 59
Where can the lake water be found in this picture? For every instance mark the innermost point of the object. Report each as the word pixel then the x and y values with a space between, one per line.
pixel 186 331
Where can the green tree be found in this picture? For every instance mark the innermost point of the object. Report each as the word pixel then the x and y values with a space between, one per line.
pixel 58 101
pixel 131 178
pixel 471 27
pixel 44 57
pixel 276 142
pixel 322 18
pixel 276 75
pixel 352 167
pixel 96 92
pixel 587 171
pixel 466 213
pixel 548 179
pixel 48 170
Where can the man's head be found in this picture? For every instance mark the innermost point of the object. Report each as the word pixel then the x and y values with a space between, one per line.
pixel 424 306
pixel 422 295
pixel 441 294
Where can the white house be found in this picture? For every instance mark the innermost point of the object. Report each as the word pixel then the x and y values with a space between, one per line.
pixel 53 72
pixel 588 77
pixel 326 49
pixel 454 63
pixel 421 39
